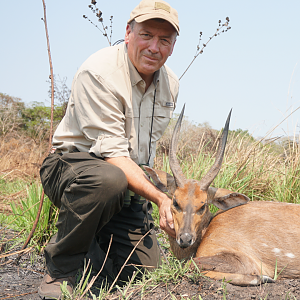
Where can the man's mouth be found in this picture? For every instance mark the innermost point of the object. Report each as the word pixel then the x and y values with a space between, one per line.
pixel 151 58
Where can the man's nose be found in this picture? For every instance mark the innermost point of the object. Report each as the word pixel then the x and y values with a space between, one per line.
pixel 154 46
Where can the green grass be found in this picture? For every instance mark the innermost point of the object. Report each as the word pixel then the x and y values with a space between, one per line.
pixel 8 187
pixel 24 212
pixel 173 271
pixel 249 167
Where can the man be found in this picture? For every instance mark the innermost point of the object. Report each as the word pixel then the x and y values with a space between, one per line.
pixel 121 102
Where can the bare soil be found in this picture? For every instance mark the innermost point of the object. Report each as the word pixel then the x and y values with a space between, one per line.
pixel 21 280
pixel 208 289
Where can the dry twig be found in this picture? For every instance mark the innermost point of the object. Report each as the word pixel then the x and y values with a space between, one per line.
pixel 221 29
pixel 51 125
pixel 98 13
pixel 95 277
pixel 127 260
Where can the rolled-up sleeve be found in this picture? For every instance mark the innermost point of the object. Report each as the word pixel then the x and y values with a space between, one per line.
pixel 100 115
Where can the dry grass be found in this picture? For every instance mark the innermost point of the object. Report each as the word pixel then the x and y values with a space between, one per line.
pixel 261 170
pixel 193 139
pixel 20 157
pixel 20 160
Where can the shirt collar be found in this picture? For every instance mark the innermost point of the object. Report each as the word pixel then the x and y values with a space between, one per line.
pixel 135 77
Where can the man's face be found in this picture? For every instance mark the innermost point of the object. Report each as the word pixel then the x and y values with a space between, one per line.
pixel 149 44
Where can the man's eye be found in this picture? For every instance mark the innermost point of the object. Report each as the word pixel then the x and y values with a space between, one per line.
pixel 165 42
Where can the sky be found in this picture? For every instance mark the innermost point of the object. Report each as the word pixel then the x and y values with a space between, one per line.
pixel 253 68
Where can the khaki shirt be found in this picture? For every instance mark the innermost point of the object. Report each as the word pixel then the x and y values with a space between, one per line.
pixel 110 114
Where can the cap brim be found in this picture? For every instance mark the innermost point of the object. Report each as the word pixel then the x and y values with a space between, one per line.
pixel 145 17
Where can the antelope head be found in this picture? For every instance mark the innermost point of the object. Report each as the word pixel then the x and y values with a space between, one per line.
pixel 191 198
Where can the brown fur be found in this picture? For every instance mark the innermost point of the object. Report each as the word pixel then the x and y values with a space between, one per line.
pixel 260 234
pixel 242 243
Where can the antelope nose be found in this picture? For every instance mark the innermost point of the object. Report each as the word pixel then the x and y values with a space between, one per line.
pixel 185 240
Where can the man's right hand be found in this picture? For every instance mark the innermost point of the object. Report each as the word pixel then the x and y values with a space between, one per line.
pixel 166 221
pixel 139 184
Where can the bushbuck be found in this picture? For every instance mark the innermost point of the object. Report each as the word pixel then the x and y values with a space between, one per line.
pixel 244 242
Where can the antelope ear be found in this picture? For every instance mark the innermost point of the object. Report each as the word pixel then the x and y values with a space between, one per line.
pixel 225 199
pixel 162 180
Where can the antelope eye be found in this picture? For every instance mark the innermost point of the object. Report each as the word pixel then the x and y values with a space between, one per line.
pixel 175 203
pixel 202 209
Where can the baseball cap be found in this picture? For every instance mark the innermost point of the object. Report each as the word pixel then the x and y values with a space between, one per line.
pixel 152 9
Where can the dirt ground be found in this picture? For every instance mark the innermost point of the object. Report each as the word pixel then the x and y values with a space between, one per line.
pixel 21 280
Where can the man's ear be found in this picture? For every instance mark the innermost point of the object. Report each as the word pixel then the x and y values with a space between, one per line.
pixel 128 31
pixel 162 180
pixel 225 199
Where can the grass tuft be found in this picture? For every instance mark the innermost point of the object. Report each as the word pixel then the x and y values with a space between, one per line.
pixel 24 214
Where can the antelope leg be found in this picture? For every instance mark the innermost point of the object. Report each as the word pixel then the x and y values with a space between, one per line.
pixel 231 268
pixel 239 279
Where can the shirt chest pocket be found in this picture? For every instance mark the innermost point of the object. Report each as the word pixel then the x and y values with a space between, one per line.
pixel 161 119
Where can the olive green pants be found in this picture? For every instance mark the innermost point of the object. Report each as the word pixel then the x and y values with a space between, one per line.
pixel 90 193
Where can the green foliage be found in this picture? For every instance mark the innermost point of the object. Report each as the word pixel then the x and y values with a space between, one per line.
pixel 172 272
pixel 83 287
pixel 288 189
pixel 224 289
pixel 36 119
pixel 241 134
pixel 10 187
pixel 290 296
pixel 33 119
pixel 65 293
pixel 26 212
pixel 257 169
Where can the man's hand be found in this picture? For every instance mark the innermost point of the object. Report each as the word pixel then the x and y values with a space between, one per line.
pixel 139 184
pixel 166 221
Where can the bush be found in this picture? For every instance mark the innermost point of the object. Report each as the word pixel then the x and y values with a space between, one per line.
pixel 10 114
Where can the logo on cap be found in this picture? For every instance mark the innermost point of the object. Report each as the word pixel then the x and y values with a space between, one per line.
pixel 159 5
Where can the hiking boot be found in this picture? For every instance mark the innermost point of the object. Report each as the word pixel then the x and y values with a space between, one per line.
pixel 50 287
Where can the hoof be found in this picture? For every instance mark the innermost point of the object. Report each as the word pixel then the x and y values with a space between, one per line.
pixel 267 279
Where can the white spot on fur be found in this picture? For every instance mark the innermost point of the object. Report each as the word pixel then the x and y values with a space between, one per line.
pixel 184 212
pixel 290 255
pixel 265 245
pixel 254 282
pixel 276 250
